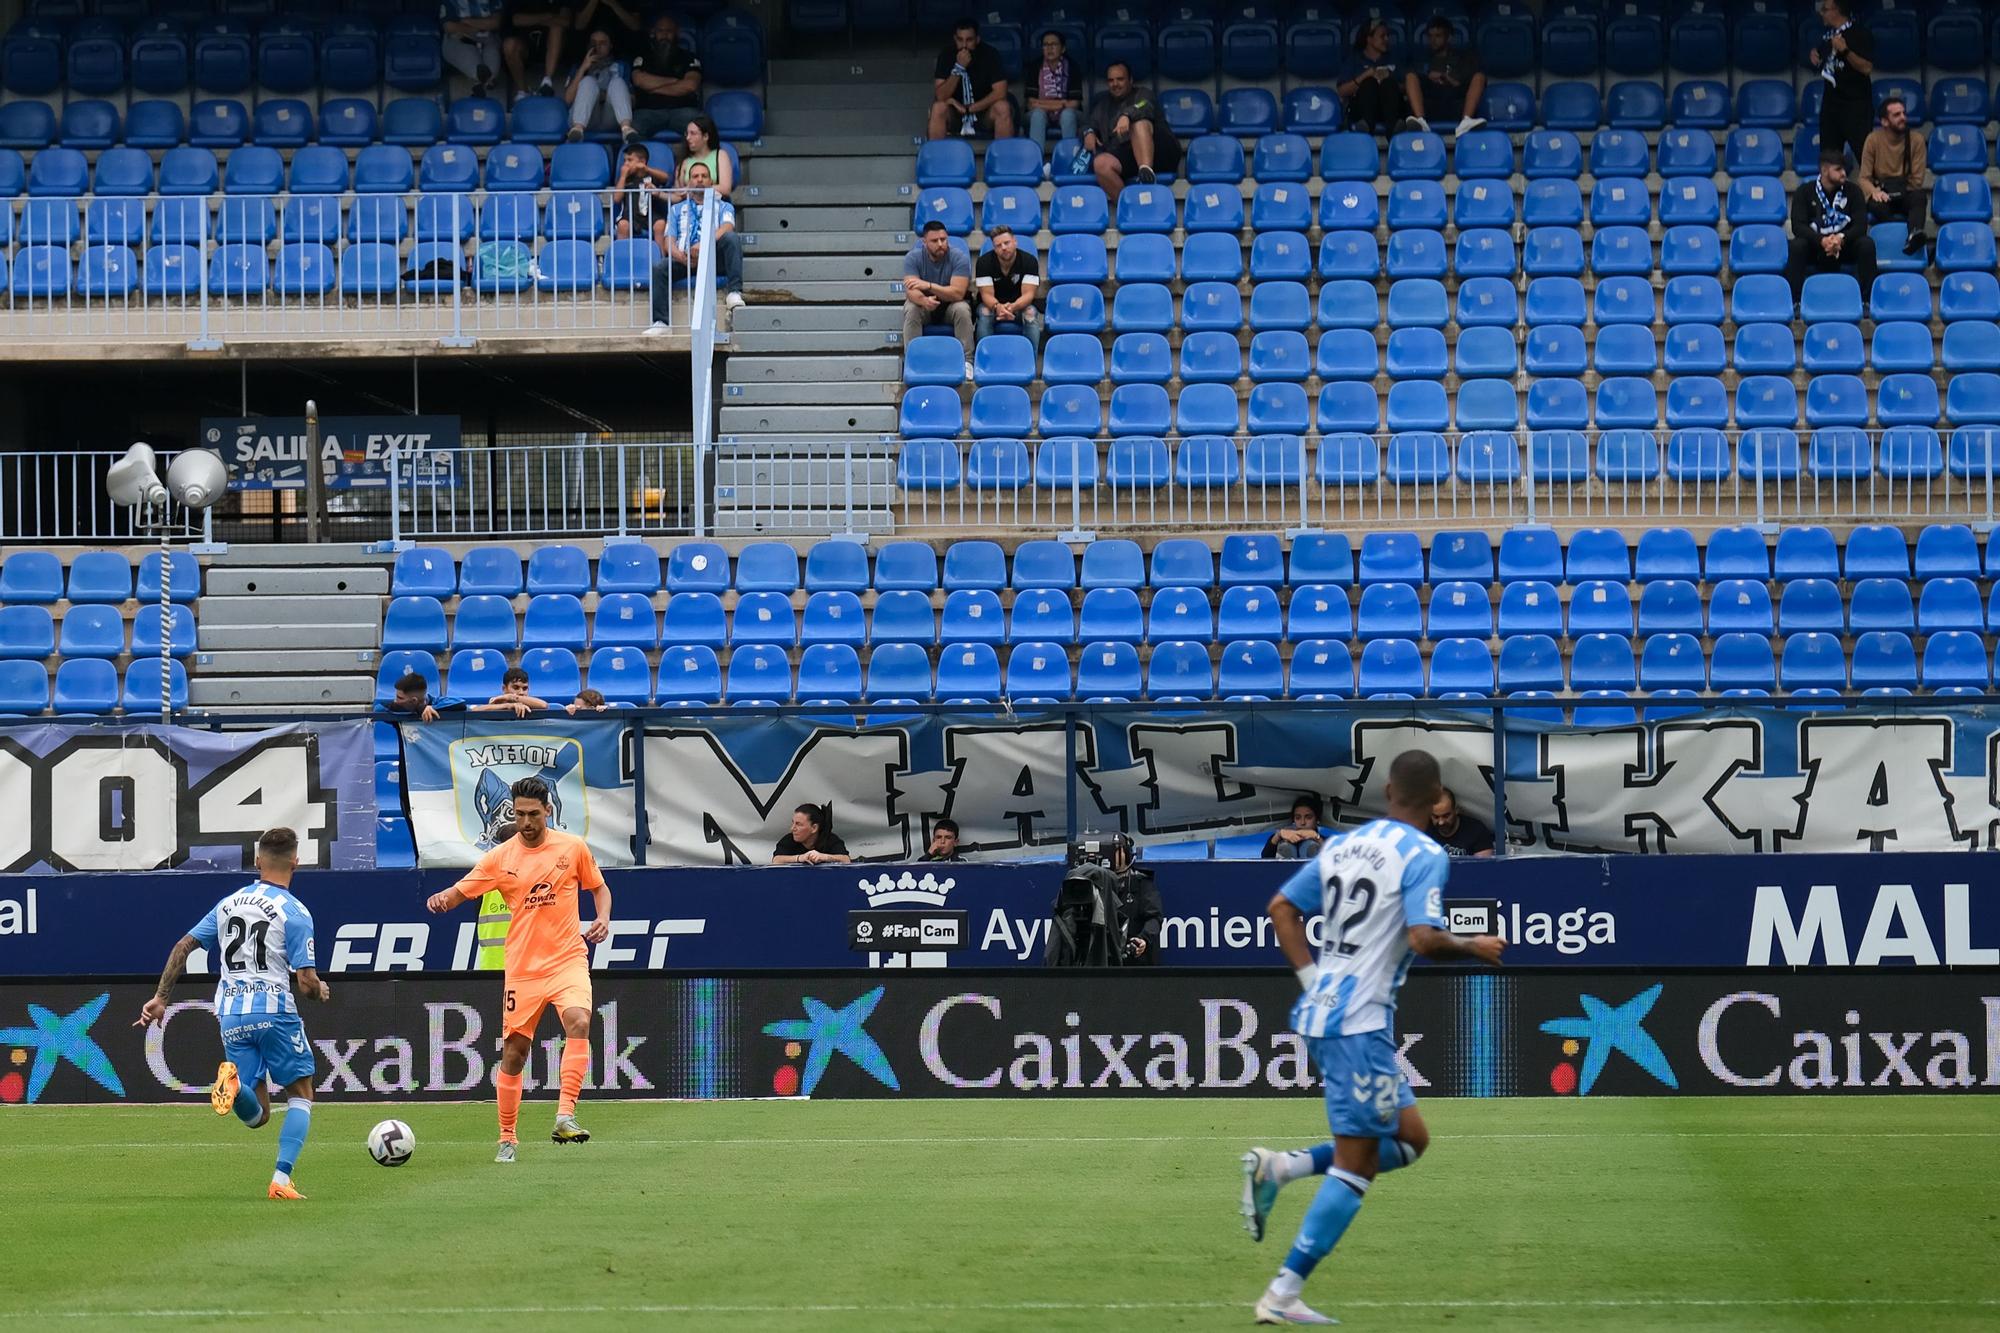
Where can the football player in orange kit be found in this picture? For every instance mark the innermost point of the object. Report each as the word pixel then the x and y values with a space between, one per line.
pixel 541 872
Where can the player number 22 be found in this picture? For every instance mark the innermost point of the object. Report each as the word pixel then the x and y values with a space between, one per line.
pixel 1343 917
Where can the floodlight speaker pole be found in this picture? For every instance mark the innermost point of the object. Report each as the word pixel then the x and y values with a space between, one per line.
pixel 166 617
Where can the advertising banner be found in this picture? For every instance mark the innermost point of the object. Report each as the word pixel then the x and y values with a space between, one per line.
pixel 457 775
pixel 1458 1034
pixel 139 797
pixel 1574 911
pixel 720 790
pixel 269 453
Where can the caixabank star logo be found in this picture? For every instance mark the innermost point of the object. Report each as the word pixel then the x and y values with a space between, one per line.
pixel 50 1040
pixel 1603 1029
pixel 824 1033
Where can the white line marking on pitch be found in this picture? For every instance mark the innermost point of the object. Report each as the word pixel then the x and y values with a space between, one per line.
pixel 1057 1140
pixel 1043 1307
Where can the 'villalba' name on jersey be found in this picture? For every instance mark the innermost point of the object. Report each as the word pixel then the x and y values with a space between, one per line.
pixel 257 937
pixel 1371 886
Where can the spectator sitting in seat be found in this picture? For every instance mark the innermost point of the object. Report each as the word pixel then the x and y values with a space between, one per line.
pixel 1830 226
pixel 1301 839
pixel 598 93
pixel 683 245
pixel 1129 134
pixel 937 276
pixel 413 699
pixel 1460 833
pixel 969 89
pixel 944 842
pixel 533 32
pixel 1895 175
pixel 1008 281
pixel 666 81
pixel 701 144
pixel 638 204
pixel 471 42
pixel 1056 92
pixel 513 697
pixel 1366 81
pixel 812 841
pixel 1445 82
pixel 587 701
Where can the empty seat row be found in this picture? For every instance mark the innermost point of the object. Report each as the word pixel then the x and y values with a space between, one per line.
pixel 308 270
pixel 1940 551
pixel 103 577
pixel 29 632
pixel 87 686
pixel 65 173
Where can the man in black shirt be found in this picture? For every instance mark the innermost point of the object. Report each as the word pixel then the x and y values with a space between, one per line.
pixel 969 88
pixel 1461 834
pixel 1444 82
pixel 1845 58
pixel 666 81
pixel 1129 134
pixel 534 30
pixel 1008 279
pixel 944 842
pixel 1830 226
pixel 811 842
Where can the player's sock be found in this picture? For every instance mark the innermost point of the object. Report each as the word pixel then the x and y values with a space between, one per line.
pixel 1313 1161
pixel 1394 1153
pixel 248 1109
pixel 509 1086
pixel 1326 1220
pixel 575 1064
pixel 292 1138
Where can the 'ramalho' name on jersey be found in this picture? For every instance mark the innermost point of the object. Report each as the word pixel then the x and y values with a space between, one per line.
pixel 256 937
pixel 1369 886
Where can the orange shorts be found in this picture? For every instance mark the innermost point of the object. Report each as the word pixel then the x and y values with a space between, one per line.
pixel 521 1009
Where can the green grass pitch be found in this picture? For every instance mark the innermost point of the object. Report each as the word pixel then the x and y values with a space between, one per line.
pixel 1879 1213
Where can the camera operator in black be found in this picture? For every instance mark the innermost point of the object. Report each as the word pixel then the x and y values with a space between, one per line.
pixel 1139 906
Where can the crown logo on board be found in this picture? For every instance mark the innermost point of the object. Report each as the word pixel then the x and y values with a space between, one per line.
pixel 907 889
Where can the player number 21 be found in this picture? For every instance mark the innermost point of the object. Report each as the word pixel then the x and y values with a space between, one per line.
pixel 1345 916
pixel 241 932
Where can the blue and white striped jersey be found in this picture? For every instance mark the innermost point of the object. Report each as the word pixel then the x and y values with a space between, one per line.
pixel 257 937
pixel 1365 890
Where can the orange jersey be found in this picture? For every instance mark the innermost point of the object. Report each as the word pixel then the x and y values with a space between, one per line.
pixel 541 886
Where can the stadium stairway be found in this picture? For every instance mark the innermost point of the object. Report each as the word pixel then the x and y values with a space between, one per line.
pixel 816 356
pixel 296 629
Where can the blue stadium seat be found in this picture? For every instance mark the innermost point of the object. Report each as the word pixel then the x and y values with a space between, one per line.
pixel 1111 613
pixel 627 620
pixel 1530 606
pixel 1530 662
pixel 1037 670
pixel 1881 604
pixel 1740 606
pixel 1247 113
pixel 1572 105
pixel 1391 668
pixel 945 162
pixel 1108 671
pixel 1947 550
pixel 968 671
pixel 1600 606
pixel 1075 307
pixel 146 632
pixel 1275 256
pixel 1619 153
pixel 1947 604
pixel 689 674
pixel 1145 358
pixel 1389 611
pixel 1281 158
pixel 554 620
pixel 694 618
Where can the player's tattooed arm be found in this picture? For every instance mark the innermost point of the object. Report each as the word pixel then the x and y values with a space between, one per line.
pixel 156 1008
pixel 309 985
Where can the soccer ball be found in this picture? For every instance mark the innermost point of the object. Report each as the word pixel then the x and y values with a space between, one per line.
pixel 391 1143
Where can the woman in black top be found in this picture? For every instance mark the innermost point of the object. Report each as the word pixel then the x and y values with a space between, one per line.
pixel 812 841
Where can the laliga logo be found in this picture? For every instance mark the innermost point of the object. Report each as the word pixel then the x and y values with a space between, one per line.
pixel 925 892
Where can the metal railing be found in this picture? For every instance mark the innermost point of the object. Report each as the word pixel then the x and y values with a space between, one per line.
pixel 587 487
pixel 448 267
pixel 61 498
pixel 1485 477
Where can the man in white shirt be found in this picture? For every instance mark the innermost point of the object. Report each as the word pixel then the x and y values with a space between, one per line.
pixel 684 241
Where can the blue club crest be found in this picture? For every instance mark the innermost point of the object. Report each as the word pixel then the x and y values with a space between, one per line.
pixel 493 799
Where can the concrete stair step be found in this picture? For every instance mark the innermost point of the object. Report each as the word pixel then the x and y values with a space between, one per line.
pixel 823 341
pixel 753 369
pixel 851 69
pixel 884 265
pixel 838 119
pixel 811 446
pixel 799 522
pixel 802 142
pixel 870 470
pixel 833 396
pixel 290 661
pixel 282 692
pixel 228 581
pixel 885 244
pixel 886 92
pixel 794 194
pixel 211 637
pixel 871 292
pixel 317 610
pixel 786 420
pixel 327 553
pixel 840 218
pixel 873 172
pixel 816 318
